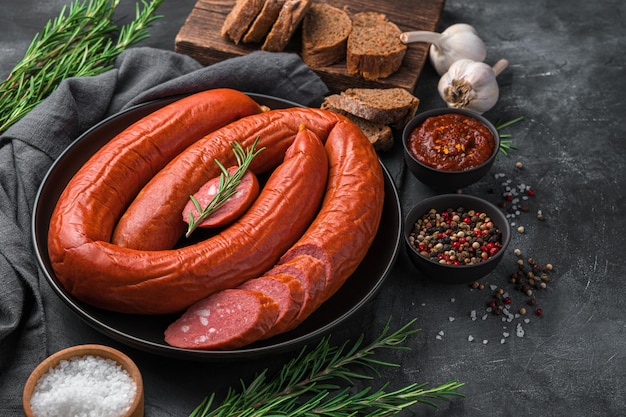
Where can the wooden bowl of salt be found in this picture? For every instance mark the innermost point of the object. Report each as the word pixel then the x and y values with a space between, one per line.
pixel 85 379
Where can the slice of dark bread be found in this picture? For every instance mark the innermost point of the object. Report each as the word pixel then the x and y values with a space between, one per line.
pixel 325 31
pixel 289 19
pixel 389 106
pixel 239 19
pixel 378 134
pixel 374 47
pixel 264 21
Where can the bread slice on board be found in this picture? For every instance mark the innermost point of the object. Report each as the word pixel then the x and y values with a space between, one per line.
pixel 374 47
pixel 378 134
pixel 325 31
pixel 289 19
pixel 389 106
pixel 264 21
pixel 239 19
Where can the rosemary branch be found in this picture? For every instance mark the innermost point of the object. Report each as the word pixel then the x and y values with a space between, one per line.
pixel 309 385
pixel 506 144
pixel 227 186
pixel 82 41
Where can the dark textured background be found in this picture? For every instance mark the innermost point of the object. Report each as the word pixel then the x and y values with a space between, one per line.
pixel 566 77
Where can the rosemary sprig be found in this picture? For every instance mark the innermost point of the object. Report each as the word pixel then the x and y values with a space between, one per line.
pixel 227 186
pixel 506 144
pixel 308 385
pixel 82 41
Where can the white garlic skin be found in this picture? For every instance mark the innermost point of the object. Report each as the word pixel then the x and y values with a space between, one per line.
pixel 458 41
pixel 469 85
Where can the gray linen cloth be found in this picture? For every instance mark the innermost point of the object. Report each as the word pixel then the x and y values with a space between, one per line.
pixel 29 147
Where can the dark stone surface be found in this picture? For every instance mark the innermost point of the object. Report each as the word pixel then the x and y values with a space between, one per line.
pixel 566 77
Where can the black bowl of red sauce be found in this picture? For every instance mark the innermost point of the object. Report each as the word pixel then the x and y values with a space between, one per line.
pixel 456 238
pixel 448 149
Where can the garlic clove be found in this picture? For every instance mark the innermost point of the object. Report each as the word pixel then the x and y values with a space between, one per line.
pixel 471 85
pixel 458 41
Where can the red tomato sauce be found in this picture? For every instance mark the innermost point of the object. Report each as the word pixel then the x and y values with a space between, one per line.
pixel 451 142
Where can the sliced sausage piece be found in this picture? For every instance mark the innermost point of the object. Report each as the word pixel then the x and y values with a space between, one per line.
pixel 237 204
pixel 311 274
pixel 228 319
pixel 286 291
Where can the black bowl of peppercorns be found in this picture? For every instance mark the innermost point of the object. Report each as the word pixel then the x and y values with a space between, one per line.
pixel 448 148
pixel 456 238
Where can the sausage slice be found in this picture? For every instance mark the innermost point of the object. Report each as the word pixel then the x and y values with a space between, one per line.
pixel 228 319
pixel 245 194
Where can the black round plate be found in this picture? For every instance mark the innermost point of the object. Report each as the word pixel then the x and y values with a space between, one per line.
pixel 146 332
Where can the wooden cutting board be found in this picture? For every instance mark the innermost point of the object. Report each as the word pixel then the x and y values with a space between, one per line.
pixel 200 38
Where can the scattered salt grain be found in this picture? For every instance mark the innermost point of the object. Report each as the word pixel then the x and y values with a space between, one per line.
pixel 519 330
pixel 450 319
pixel 470 338
pixel 84 386
pixel 485 341
pixel 502 341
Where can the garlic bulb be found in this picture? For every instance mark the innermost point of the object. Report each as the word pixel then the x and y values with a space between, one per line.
pixel 471 85
pixel 458 41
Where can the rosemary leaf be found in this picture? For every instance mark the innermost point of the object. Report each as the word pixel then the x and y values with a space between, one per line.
pixel 227 186
pixel 82 41
pixel 304 386
pixel 506 144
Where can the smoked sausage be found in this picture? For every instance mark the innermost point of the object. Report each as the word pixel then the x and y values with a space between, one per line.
pixel 158 282
pixel 336 242
pixel 153 221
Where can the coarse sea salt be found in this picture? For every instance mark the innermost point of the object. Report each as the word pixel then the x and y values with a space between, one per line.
pixel 85 386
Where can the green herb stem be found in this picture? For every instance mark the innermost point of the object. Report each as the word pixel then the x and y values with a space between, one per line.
pixel 82 41
pixel 311 385
pixel 506 144
pixel 227 186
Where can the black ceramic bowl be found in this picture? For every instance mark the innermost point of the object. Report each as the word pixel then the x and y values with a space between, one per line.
pixel 440 179
pixel 452 274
